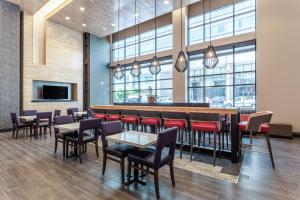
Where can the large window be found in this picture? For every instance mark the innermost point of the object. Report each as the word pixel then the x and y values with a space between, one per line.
pixel 230 84
pixel 227 21
pixel 136 90
pixel 143 43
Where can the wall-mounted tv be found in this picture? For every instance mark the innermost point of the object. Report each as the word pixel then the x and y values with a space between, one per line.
pixel 55 92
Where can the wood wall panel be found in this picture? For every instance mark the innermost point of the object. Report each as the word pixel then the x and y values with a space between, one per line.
pixel 64 57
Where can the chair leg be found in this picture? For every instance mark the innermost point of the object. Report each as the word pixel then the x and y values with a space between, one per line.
pixel 191 145
pixel 215 147
pixel 64 148
pixel 79 146
pixel 67 149
pixel 104 163
pixel 172 173
pixel 270 149
pixel 128 173
pixel 156 184
pixel 55 146
pixel 17 133
pixel 181 141
pixel 97 148
pixel 122 171
pixel 13 133
pixel 50 131
pixel 251 136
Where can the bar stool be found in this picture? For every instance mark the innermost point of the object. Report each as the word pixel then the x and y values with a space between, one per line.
pixel 150 118
pixel 205 122
pixel 258 123
pixel 112 115
pixel 130 117
pixel 99 114
pixel 176 119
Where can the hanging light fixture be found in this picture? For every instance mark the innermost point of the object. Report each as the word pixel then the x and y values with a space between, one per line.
pixel 210 59
pixel 155 65
pixel 118 70
pixel 135 70
pixel 181 63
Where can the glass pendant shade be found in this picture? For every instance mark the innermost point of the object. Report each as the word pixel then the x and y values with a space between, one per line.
pixel 210 57
pixel 135 70
pixel 181 63
pixel 118 72
pixel 155 66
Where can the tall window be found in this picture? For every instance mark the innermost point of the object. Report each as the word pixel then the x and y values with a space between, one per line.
pixel 227 21
pixel 136 90
pixel 143 43
pixel 230 84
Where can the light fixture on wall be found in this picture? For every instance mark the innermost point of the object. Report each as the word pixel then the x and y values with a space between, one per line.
pixel 181 63
pixel 155 65
pixel 210 59
pixel 118 71
pixel 135 70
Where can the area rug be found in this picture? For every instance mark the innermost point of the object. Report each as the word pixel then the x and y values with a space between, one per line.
pixel 205 169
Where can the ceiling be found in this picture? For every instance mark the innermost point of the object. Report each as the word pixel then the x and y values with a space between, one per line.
pixel 100 15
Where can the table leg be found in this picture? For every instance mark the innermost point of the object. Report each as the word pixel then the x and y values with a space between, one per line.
pixel 235 139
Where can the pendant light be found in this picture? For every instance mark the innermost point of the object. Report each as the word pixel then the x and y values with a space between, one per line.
pixel 118 71
pixel 135 70
pixel 155 65
pixel 181 63
pixel 210 60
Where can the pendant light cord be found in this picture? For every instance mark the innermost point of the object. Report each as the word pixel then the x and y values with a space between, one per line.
pixel 209 23
pixel 155 28
pixel 135 16
pixel 119 31
pixel 181 23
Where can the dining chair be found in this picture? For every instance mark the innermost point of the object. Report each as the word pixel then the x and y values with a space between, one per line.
pixel 88 133
pixel 150 118
pixel 176 119
pixel 115 152
pixel 257 123
pixel 43 121
pixel 89 114
pixel 29 112
pixel 60 136
pixel 202 123
pixel 154 159
pixel 71 111
pixel 130 117
pixel 17 125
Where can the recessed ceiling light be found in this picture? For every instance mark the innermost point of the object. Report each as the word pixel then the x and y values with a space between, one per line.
pixel 82 8
pixel 67 18
pixel 104 28
pixel 166 2
pixel 83 25
pixel 113 25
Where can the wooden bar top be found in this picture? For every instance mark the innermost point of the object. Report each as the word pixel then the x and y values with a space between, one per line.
pixel 221 111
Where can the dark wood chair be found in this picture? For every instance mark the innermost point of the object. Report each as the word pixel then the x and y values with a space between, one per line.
pixel 17 125
pixel 88 132
pixel 43 121
pixel 72 111
pixel 29 112
pixel 155 158
pixel 60 136
pixel 89 114
pixel 115 152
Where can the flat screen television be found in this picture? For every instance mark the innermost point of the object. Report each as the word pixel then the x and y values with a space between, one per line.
pixel 55 92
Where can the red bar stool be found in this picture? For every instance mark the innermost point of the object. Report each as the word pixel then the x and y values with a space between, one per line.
pixel 99 114
pixel 130 117
pixel 205 122
pixel 258 123
pixel 176 119
pixel 152 119
pixel 112 115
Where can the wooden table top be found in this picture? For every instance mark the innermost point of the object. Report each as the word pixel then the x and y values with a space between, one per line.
pixel 81 113
pixel 134 138
pixel 27 118
pixel 222 111
pixel 68 127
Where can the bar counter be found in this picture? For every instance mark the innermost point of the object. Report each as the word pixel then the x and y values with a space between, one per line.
pixel 232 113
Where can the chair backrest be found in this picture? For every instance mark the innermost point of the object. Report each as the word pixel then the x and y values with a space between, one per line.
pixel 89 113
pixel 57 113
pixel 166 138
pixel 144 113
pixel 174 115
pixel 70 111
pixel 112 111
pixel 89 124
pixel 14 119
pixel 58 120
pixel 110 128
pixel 74 109
pixel 205 117
pixel 256 120
pixel 29 112
pixel 43 115
pixel 129 112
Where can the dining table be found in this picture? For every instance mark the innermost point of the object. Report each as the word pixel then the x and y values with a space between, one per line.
pixel 27 118
pixel 68 127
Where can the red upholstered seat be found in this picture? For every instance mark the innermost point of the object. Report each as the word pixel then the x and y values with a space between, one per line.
pixel 169 123
pixel 130 119
pixel 100 116
pixel 113 117
pixel 264 127
pixel 205 126
pixel 151 121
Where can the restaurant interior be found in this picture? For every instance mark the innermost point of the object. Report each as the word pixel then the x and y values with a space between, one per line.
pixel 149 99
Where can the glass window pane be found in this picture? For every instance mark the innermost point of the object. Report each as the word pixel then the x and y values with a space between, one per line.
pixel 118 87
pixel 129 77
pixel 147 47
pixel 131 51
pixel 219 80
pixel 219 96
pixel 164 96
pixel 164 84
pixel 166 71
pixel 118 97
pixel 245 97
pixel 219 29
pixel 244 61
pixel 148 85
pixel 164 30
pixel 147 35
pixel 196 68
pixel 196 21
pixel 245 23
pixel 244 6
pixel 164 43
pixel 196 95
pixel 146 75
pixel 244 78
pixel 218 14
pixel 196 81
pixel 196 35
pixel 132 96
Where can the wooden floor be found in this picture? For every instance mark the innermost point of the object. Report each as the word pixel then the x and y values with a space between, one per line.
pixel 30 170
